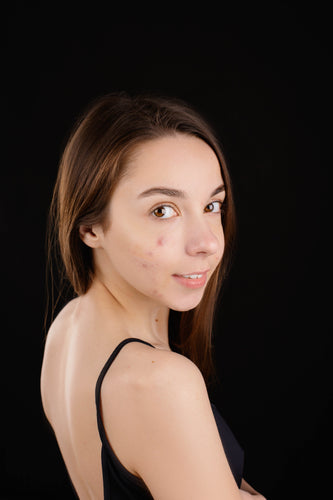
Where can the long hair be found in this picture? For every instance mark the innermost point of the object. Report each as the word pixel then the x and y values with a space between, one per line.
pixel 94 160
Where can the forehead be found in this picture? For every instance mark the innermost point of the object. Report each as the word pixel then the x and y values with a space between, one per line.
pixel 177 159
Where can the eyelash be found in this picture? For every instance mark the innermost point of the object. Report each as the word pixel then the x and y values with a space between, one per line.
pixel 220 211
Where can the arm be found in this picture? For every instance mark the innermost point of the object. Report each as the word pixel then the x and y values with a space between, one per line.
pixel 248 492
pixel 175 445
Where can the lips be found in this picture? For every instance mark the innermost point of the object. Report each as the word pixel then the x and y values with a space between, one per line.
pixel 195 279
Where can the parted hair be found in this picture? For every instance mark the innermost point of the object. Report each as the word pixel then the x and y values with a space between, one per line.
pixel 93 161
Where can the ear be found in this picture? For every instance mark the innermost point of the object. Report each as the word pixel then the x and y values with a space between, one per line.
pixel 91 235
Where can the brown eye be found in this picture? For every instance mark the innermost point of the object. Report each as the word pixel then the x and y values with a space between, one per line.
pixel 163 212
pixel 159 212
pixel 214 207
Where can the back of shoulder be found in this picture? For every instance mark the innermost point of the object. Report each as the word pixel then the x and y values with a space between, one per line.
pixel 170 386
pixel 158 372
pixel 143 368
pixel 167 368
pixel 175 444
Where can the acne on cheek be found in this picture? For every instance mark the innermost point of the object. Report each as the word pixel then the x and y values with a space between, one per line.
pixel 142 256
pixel 145 261
pixel 159 243
pixel 146 265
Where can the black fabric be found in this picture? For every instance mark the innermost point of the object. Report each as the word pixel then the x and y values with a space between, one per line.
pixel 232 449
pixel 119 483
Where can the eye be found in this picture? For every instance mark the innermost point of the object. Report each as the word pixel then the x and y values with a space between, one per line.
pixel 164 212
pixel 214 207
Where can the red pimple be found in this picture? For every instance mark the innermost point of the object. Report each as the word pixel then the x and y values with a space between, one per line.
pixel 160 241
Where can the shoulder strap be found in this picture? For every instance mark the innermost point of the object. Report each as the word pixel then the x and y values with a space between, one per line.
pixel 101 378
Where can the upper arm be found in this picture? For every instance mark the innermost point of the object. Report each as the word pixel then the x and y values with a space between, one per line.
pixel 176 446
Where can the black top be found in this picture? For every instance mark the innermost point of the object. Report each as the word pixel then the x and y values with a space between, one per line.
pixel 119 483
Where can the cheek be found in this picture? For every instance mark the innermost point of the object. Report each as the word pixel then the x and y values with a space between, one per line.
pixel 151 272
pixel 156 259
pixel 144 260
pixel 153 253
pixel 161 241
pixel 150 253
pixel 148 259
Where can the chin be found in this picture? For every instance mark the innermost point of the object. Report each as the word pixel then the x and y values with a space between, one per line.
pixel 182 309
pixel 183 306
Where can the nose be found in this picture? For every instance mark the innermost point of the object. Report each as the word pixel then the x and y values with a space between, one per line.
pixel 201 239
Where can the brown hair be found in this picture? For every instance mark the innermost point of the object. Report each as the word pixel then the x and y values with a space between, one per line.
pixel 92 164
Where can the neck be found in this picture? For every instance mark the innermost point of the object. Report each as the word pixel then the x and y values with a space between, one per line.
pixel 136 316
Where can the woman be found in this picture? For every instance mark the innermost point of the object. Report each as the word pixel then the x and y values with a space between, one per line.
pixel 144 219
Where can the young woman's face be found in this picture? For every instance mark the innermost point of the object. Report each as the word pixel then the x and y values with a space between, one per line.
pixel 165 236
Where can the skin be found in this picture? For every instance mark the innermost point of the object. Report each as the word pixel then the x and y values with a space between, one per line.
pixel 151 239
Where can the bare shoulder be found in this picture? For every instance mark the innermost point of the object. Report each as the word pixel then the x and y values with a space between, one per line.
pixel 162 380
pixel 168 383
pixel 173 372
pixel 167 428
pixel 61 321
pixel 145 368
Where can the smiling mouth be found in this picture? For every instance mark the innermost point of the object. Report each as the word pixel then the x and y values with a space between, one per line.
pixel 192 276
pixel 193 280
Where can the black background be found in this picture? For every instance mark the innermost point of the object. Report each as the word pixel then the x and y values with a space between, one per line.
pixel 259 74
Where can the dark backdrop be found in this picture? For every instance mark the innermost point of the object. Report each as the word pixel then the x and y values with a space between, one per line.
pixel 260 76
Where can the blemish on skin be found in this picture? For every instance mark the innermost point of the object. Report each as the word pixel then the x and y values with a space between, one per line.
pixel 160 241
pixel 156 320
pixel 153 361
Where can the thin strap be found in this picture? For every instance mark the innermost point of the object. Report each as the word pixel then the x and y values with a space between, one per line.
pixel 99 384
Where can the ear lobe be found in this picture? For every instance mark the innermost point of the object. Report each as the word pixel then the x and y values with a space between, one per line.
pixel 90 236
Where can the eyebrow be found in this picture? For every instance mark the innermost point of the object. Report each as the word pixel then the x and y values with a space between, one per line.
pixel 174 192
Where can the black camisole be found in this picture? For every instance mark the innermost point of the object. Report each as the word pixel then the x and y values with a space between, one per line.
pixel 118 482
